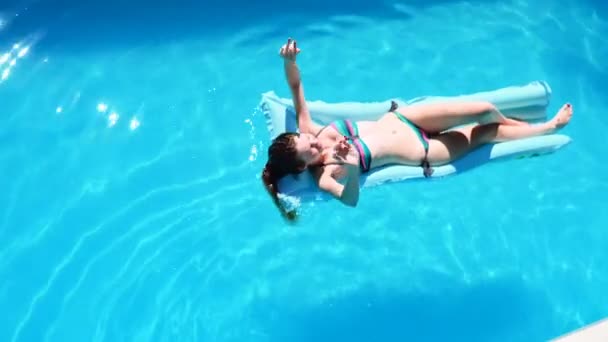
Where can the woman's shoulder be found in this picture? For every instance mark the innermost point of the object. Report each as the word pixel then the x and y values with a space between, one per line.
pixel 323 131
pixel 311 128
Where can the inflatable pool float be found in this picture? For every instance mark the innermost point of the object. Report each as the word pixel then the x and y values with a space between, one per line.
pixel 526 102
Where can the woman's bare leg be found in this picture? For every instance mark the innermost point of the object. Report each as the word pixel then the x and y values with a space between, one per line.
pixel 559 120
pixel 453 144
pixel 438 117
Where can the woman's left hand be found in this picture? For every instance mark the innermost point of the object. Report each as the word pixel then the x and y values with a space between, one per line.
pixel 341 148
pixel 344 152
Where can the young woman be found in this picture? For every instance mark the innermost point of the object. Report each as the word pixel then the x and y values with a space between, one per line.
pixel 423 134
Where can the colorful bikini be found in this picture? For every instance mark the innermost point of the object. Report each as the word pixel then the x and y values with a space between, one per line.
pixel 350 130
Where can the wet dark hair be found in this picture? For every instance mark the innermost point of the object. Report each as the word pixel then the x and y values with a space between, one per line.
pixel 282 161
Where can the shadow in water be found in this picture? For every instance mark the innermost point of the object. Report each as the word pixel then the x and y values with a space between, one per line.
pixel 601 6
pixel 498 310
pixel 110 23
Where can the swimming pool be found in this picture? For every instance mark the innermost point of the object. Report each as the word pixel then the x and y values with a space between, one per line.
pixel 131 148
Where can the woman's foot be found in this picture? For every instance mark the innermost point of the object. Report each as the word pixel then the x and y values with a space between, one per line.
pixel 562 118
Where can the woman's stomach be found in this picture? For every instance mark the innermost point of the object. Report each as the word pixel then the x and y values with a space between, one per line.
pixel 390 141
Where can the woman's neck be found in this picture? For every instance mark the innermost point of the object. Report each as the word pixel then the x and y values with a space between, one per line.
pixel 325 157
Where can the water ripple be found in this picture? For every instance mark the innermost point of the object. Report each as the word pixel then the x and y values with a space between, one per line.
pixel 150 249
pixel 88 235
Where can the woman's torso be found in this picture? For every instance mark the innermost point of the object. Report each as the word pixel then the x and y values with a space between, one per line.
pixel 388 139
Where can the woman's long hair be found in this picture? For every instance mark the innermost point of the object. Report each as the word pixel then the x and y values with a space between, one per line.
pixel 282 160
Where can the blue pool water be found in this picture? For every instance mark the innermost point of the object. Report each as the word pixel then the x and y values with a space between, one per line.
pixel 131 148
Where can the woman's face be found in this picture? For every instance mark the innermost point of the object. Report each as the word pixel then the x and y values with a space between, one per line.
pixel 308 148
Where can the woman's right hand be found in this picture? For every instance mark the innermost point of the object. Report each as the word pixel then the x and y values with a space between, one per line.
pixel 289 51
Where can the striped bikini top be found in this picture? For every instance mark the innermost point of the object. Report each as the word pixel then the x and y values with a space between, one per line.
pixel 350 130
